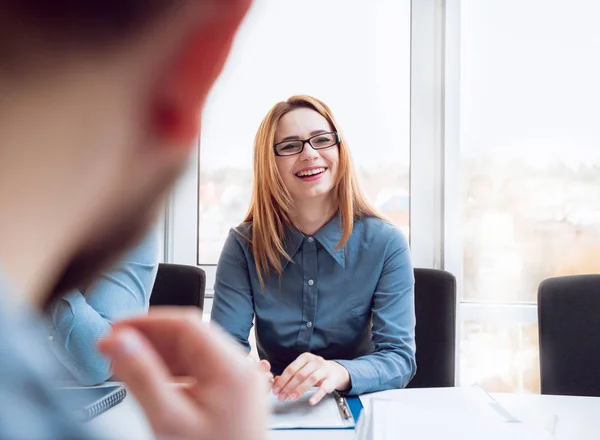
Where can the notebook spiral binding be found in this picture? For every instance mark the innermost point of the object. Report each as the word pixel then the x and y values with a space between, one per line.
pixel 105 404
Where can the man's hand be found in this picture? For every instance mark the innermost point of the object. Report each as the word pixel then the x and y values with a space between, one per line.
pixel 265 367
pixel 308 371
pixel 146 352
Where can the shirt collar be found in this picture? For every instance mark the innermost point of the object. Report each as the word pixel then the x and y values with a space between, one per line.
pixel 328 236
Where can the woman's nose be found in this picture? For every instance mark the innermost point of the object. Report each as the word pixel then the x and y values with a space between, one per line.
pixel 308 153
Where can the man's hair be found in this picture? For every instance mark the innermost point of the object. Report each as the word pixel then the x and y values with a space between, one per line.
pixel 27 25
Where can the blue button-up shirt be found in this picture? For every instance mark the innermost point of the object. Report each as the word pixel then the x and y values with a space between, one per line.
pixel 354 305
pixel 82 317
pixel 28 407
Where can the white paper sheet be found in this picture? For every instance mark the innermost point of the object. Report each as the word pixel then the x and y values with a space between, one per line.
pixel 456 414
pixel 389 423
pixel 300 415
pixel 470 402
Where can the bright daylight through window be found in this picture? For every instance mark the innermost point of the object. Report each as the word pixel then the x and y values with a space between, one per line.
pixel 354 56
pixel 530 170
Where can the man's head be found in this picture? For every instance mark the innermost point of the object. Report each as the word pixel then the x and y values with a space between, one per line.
pixel 100 107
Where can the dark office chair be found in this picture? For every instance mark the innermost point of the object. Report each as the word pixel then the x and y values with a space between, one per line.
pixel 178 285
pixel 569 330
pixel 435 332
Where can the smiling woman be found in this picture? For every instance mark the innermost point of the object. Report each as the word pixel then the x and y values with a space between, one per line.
pixel 306 172
pixel 283 198
pixel 363 76
pixel 327 280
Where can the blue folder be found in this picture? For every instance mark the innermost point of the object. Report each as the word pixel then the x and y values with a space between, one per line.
pixel 355 406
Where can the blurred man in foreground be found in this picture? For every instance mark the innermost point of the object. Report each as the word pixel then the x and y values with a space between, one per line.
pixel 99 110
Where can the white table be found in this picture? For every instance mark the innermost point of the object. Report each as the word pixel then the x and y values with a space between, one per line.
pixel 578 418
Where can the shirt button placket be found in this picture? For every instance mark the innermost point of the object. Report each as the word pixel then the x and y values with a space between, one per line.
pixel 310 283
pixel 310 272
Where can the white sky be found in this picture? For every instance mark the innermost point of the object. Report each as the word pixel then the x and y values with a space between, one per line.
pixel 352 54
pixel 530 74
pixel 530 77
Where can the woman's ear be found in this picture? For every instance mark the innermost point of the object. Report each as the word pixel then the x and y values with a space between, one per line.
pixel 182 93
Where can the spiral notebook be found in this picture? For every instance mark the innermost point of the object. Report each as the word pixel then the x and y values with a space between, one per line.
pixel 87 403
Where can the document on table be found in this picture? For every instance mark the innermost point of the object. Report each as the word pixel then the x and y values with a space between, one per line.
pixel 449 414
pixel 301 415
pixel 471 402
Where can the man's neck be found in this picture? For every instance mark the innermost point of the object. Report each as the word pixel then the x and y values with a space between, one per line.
pixel 311 215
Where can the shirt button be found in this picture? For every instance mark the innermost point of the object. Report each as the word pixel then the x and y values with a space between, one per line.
pixel 311 282
pixel 51 338
pixel 310 239
pixel 309 324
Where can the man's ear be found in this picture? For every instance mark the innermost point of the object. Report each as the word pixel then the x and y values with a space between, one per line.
pixel 187 83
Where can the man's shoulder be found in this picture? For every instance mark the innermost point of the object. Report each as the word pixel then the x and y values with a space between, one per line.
pixel 28 407
pixel 146 251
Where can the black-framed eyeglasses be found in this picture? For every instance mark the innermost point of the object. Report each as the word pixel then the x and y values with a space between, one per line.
pixel 317 142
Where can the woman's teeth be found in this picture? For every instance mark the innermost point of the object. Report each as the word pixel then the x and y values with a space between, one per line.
pixel 312 172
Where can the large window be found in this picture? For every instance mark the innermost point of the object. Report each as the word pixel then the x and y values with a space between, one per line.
pixel 530 158
pixel 355 56
pixel 505 162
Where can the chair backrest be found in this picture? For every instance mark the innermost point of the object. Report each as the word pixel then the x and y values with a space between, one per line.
pixel 569 331
pixel 435 332
pixel 178 285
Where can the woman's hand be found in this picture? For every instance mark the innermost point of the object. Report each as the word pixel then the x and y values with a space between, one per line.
pixel 308 371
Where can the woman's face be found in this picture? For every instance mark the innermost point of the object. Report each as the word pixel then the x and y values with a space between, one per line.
pixel 311 173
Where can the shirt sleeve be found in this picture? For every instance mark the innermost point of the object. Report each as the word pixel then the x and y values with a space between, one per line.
pixel 392 363
pixel 82 317
pixel 233 305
